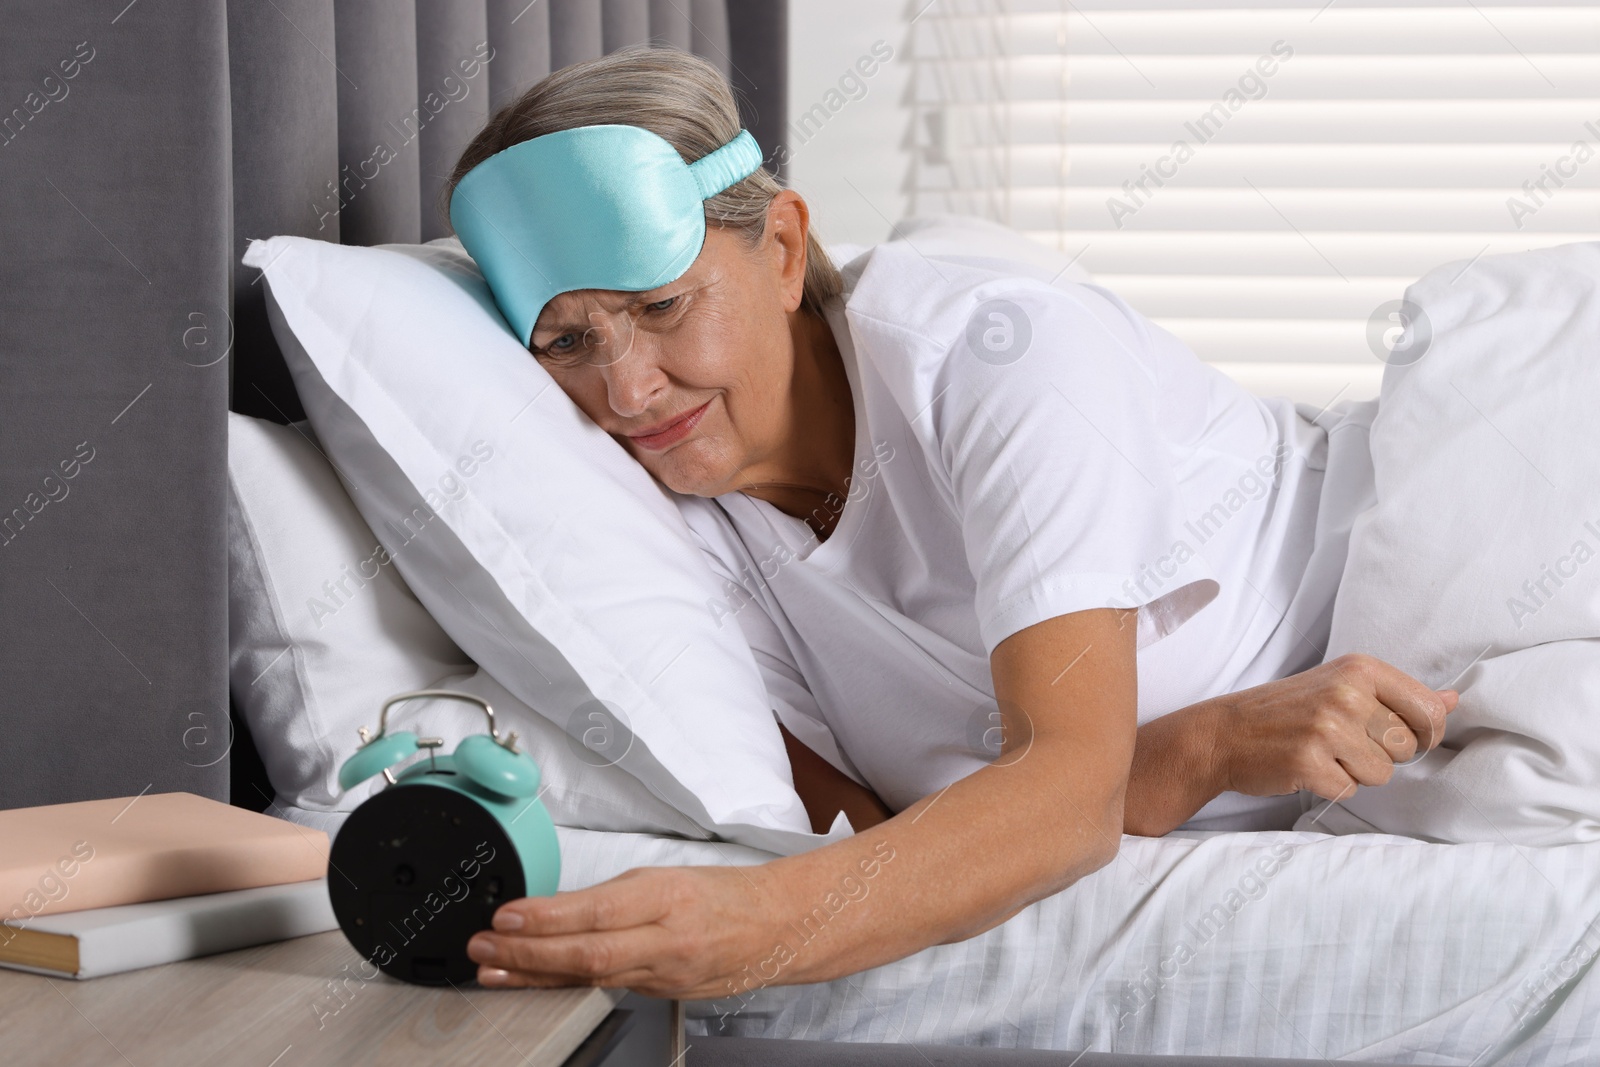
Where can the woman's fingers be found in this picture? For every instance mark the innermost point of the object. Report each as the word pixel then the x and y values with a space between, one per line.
pixel 1419 708
pixel 578 959
pixel 1390 732
pixel 641 980
pixel 630 899
pixel 499 978
pixel 1331 780
pixel 1364 759
pixel 1344 724
pixel 631 931
pixel 644 981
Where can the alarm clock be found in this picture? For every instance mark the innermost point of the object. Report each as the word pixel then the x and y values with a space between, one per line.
pixel 422 864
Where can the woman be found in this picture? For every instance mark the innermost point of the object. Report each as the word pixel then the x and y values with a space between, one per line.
pixel 966 520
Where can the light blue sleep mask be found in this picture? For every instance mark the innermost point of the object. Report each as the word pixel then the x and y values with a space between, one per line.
pixel 594 207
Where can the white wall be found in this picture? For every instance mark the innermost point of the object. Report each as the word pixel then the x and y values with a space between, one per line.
pixel 839 163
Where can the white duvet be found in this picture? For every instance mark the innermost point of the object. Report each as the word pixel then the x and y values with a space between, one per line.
pixel 1368 948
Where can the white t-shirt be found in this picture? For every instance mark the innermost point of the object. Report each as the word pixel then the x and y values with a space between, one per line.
pixel 1023 450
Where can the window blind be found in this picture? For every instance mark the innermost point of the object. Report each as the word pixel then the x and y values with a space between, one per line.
pixel 1263 179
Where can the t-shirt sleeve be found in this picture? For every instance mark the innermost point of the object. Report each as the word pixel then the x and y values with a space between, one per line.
pixel 744 600
pixel 1046 413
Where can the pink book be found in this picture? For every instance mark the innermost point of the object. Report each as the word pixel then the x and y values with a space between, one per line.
pixel 128 850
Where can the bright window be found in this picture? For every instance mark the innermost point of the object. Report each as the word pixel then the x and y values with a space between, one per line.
pixel 1261 180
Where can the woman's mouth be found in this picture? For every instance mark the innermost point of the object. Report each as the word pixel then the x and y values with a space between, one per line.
pixel 673 432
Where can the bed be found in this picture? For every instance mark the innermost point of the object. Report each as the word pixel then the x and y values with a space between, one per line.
pixel 1364 946
pixel 223 122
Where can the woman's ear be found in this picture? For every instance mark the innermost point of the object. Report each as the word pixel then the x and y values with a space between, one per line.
pixel 788 223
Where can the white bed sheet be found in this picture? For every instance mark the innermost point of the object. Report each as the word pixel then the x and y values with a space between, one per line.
pixel 1366 948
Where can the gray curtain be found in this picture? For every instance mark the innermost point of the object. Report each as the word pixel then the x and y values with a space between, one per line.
pixel 141 145
pixel 115 273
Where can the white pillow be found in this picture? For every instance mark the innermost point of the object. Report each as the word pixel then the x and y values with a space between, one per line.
pixel 322 631
pixel 1478 568
pixel 539 545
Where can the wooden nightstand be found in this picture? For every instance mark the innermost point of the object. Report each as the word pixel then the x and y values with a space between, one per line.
pixel 309 1001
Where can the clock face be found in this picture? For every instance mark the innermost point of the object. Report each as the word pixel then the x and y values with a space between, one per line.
pixel 413 873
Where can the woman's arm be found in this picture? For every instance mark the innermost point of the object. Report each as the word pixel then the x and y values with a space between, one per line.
pixel 1331 729
pixel 1046 812
pixel 825 790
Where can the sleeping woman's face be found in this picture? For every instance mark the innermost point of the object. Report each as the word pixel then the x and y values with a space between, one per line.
pixel 692 378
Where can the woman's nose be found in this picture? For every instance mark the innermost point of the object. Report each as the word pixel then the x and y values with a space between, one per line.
pixel 633 379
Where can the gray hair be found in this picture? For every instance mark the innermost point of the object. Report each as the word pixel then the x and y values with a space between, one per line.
pixel 677 96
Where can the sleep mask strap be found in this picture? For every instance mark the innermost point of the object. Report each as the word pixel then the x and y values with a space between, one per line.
pixel 733 162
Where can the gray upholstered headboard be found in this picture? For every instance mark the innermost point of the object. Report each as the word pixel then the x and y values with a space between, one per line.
pixel 142 144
